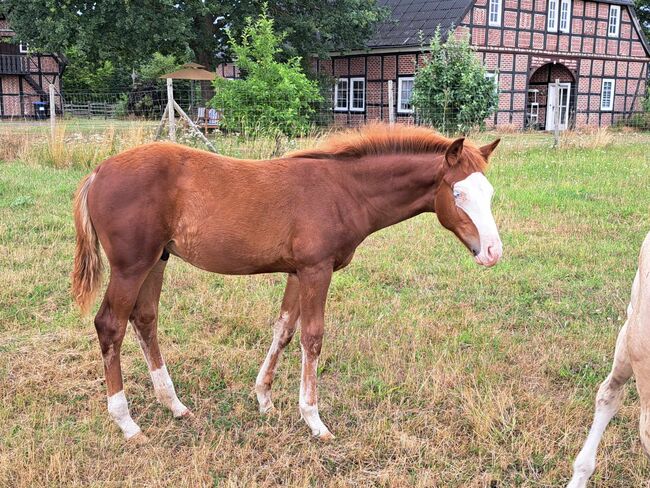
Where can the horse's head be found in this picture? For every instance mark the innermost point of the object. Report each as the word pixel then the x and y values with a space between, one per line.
pixel 463 201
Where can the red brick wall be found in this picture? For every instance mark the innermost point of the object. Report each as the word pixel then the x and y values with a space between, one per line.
pixel 523 26
pixel 228 70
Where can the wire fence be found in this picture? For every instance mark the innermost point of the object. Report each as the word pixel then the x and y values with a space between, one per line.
pixel 281 123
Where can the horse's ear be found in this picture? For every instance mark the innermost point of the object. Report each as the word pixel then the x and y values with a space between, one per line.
pixel 489 149
pixel 452 156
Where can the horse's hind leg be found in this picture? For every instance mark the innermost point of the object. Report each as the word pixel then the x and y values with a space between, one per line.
pixel 145 323
pixel 608 401
pixel 283 332
pixel 110 322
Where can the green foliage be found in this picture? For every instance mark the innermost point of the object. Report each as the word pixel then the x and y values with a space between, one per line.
pixel 82 75
pixel 642 8
pixel 451 91
pixel 157 65
pixel 128 33
pixel 272 96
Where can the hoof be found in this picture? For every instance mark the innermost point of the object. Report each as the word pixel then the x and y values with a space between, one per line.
pixel 267 408
pixel 326 436
pixel 187 414
pixel 138 440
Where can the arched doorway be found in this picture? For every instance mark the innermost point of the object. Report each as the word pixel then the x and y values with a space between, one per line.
pixel 549 105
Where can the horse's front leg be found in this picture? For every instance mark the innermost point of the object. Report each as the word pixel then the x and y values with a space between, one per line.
pixel 314 283
pixel 283 331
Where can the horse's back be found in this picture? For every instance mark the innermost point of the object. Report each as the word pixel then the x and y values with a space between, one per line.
pixel 218 213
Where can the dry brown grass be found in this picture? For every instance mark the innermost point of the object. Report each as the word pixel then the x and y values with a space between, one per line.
pixel 434 373
pixel 588 138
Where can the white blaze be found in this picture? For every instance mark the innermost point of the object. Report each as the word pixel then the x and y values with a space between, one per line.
pixel 473 195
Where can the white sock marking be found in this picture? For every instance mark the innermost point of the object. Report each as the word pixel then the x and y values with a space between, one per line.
pixel 308 390
pixel 262 390
pixel 165 391
pixel 118 408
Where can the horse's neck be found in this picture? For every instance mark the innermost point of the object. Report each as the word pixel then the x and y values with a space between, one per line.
pixel 391 188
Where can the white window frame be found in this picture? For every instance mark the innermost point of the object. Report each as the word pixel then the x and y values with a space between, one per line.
pixel 400 81
pixel 336 95
pixel 494 7
pixel 617 25
pixel 567 25
pixel 610 107
pixel 351 89
pixel 23 48
pixel 553 17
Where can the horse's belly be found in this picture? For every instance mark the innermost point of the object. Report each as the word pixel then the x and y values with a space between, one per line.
pixel 230 256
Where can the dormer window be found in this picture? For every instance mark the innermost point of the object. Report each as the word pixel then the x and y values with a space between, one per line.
pixel 614 20
pixel 495 13
pixel 23 48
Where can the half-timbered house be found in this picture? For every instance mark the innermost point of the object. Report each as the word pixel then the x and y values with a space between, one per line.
pixel 596 49
pixel 25 77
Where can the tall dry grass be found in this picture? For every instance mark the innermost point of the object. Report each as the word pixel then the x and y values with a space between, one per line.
pixel 79 150
pixel 85 148
pixel 587 138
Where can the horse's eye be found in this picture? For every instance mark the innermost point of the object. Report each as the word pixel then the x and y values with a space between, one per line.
pixel 456 194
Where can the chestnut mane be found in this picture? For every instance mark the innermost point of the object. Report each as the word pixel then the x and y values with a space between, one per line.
pixel 380 139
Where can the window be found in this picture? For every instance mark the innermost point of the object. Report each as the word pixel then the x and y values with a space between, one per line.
pixel 358 94
pixel 614 20
pixel 495 13
pixel 607 95
pixel 23 48
pixel 341 94
pixel 493 76
pixel 552 16
pixel 565 15
pixel 350 94
pixel 404 92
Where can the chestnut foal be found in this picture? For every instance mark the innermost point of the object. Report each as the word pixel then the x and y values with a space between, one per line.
pixel 303 214
pixel 631 357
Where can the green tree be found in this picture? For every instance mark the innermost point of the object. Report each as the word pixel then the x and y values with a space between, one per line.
pixel 157 65
pixel 127 33
pixel 273 96
pixel 81 75
pixel 643 12
pixel 451 91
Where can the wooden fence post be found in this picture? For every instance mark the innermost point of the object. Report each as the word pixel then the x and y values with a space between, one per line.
pixel 170 111
pixel 52 110
pixel 556 129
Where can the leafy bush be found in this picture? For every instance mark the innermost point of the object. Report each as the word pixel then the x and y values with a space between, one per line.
pixel 157 65
pixel 271 96
pixel 451 90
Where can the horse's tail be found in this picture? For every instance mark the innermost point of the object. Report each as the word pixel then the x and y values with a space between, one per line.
pixel 87 272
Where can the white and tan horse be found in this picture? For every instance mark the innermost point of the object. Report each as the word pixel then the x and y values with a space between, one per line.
pixel 631 357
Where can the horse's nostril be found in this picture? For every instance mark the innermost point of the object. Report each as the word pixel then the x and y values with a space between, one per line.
pixel 475 251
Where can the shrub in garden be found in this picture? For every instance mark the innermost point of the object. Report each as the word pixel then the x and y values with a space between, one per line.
pixel 451 91
pixel 271 96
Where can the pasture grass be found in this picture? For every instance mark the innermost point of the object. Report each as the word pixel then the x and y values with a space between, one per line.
pixel 434 372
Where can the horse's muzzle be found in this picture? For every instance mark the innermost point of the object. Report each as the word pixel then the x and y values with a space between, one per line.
pixel 491 252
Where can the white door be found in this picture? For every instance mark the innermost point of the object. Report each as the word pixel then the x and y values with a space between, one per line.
pixel 560 104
